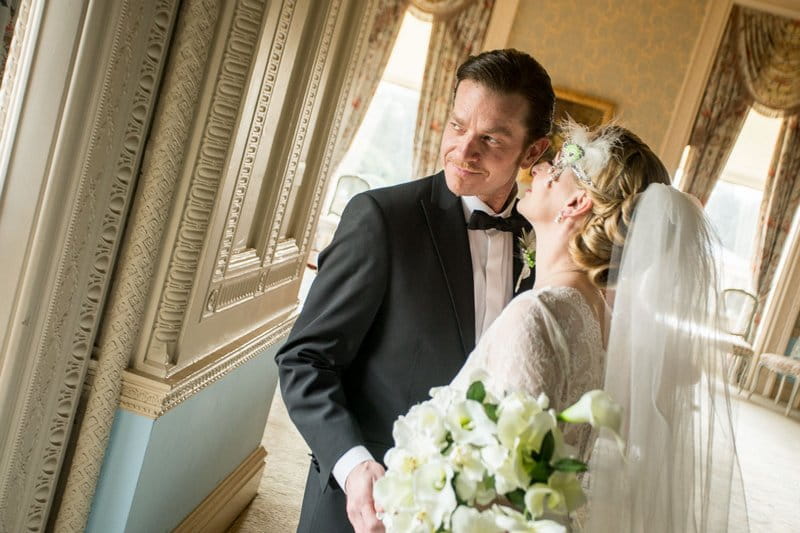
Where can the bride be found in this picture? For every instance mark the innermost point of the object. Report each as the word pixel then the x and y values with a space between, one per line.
pixel 655 353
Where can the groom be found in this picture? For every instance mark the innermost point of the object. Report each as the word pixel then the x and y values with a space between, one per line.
pixel 414 275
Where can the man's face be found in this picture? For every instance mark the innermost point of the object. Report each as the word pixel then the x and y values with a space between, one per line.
pixel 483 145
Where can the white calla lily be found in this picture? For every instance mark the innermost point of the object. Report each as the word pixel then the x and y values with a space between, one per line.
pixel 598 409
pixel 569 490
pixel 536 499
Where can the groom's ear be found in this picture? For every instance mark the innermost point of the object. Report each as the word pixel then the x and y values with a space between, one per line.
pixel 534 152
pixel 579 204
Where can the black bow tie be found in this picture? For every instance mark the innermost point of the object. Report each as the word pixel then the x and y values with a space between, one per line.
pixel 482 220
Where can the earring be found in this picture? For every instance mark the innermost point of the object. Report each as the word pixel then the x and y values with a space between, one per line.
pixel 560 217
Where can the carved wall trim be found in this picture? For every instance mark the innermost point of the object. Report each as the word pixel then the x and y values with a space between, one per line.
pixel 26 27
pixel 209 167
pixel 225 293
pixel 122 321
pixel 257 129
pixel 152 398
pixel 301 129
pixel 85 256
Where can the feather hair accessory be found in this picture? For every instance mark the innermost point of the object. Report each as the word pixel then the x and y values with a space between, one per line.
pixel 587 153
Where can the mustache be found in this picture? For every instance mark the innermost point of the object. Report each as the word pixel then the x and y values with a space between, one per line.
pixel 461 164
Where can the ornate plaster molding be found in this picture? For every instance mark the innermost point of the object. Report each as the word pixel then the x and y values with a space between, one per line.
pixel 206 177
pixel 26 26
pixel 106 178
pixel 301 130
pixel 152 397
pixel 185 72
pixel 257 129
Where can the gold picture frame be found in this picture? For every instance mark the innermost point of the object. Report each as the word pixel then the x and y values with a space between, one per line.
pixel 583 109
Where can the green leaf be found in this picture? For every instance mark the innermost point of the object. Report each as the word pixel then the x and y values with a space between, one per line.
pixel 540 472
pixel 517 498
pixel 547 448
pixel 476 392
pixel 491 411
pixel 449 439
pixel 570 465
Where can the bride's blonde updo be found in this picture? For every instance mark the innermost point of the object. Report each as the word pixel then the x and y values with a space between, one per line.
pixel 614 191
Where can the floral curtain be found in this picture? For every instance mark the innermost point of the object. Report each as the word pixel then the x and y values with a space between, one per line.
pixel 781 197
pixel 453 38
pixel 719 120
pixel 384 20
pixel 8 14
pixel 770 50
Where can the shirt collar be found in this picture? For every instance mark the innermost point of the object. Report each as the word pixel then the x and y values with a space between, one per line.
pixel 471 203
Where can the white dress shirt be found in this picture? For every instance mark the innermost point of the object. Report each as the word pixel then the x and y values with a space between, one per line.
pixel 492 272
pixel 492 265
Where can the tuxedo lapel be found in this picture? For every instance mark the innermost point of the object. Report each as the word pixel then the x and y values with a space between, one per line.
pixel 526 283
pixel 445 217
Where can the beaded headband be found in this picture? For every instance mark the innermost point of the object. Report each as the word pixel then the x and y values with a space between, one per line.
pixel 584 151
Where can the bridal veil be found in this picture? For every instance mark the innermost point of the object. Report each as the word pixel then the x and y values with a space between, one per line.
pixel 665 365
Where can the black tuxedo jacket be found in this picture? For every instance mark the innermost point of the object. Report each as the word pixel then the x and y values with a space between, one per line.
pixel 390 315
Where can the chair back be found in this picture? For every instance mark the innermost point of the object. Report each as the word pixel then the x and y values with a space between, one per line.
pixel 739 311
pixel 346 187
pixel 795 353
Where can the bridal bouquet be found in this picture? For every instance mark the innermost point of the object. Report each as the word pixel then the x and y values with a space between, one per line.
pixel 470 461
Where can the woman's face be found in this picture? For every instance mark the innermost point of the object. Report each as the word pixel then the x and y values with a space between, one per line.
pixel 548 194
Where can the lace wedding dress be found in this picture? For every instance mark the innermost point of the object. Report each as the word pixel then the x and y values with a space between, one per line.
pixel 546 340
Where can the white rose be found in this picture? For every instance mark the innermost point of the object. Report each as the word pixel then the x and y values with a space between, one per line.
pixel 422 431
pixel 394 492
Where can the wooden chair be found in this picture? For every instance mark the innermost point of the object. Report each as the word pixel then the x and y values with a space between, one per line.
pixel 739 311
pixel 785 367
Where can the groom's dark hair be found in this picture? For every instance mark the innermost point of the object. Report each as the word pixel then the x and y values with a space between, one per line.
pixel 510 71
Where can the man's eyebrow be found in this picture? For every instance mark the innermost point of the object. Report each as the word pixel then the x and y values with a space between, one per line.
pixel 502 130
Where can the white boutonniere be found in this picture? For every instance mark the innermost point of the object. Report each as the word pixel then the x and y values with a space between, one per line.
pixel 527 245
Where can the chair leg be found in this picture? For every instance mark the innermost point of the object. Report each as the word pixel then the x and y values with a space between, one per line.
pixel 754 383
pixel 780 388
pixel 790 403
pixel 733 369
pixel 745 373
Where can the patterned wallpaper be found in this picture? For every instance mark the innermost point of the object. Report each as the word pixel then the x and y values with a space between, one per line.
pixel 633 53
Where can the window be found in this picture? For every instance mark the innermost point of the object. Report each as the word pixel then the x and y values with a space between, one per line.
pixel 382 151
pixel 735 202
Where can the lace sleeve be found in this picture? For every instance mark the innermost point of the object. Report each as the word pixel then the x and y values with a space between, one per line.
pixel 519 351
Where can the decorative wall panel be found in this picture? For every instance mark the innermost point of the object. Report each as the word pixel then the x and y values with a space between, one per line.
pixel 97 164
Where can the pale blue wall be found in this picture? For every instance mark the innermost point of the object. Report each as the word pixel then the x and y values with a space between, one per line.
pixel 157 471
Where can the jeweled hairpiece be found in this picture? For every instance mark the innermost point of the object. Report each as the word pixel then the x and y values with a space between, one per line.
pixel 586 156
